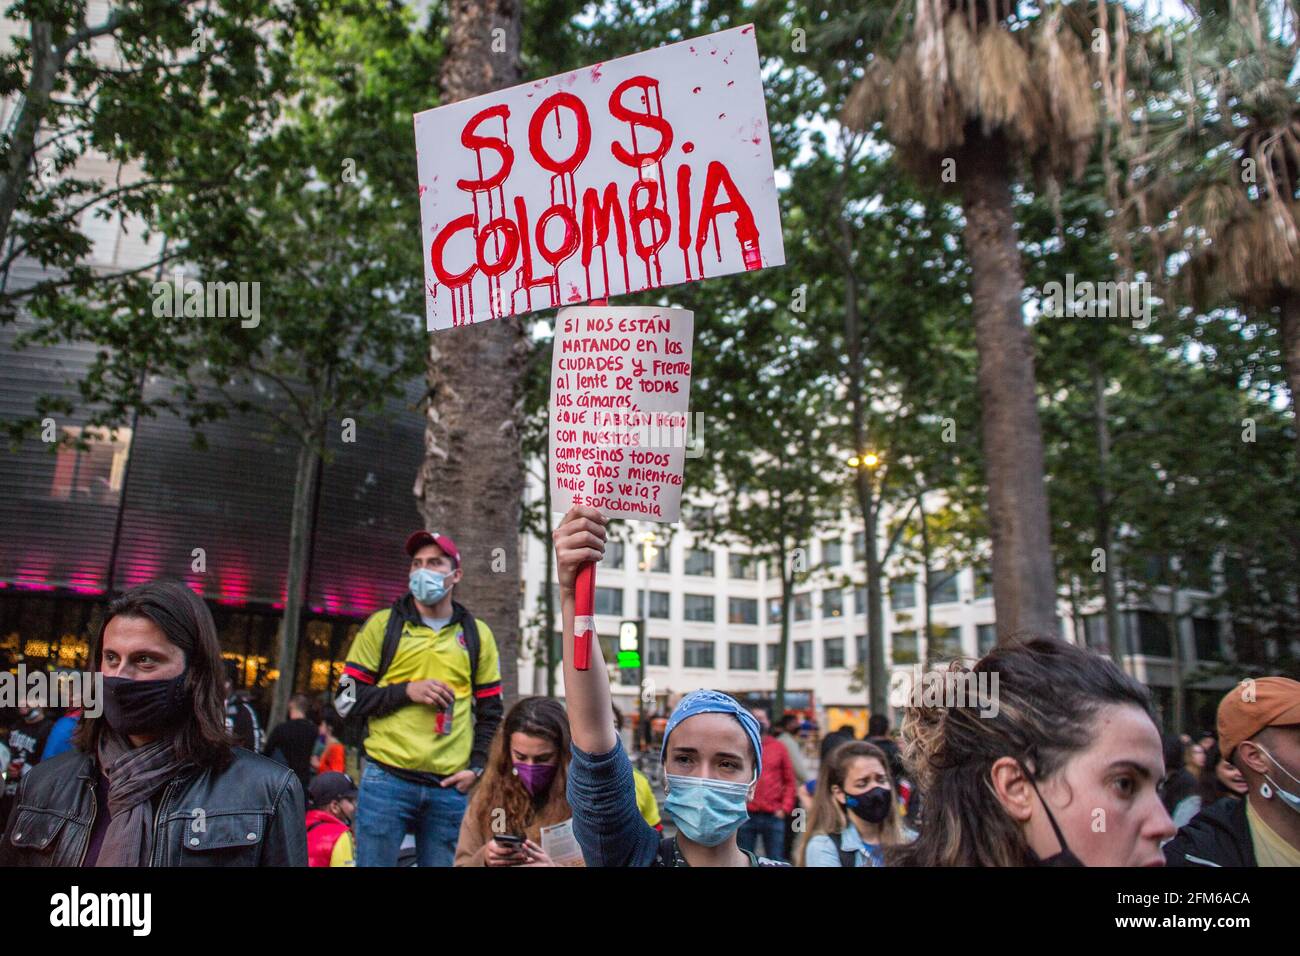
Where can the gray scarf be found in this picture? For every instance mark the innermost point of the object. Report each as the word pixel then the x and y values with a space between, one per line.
pixel 134 774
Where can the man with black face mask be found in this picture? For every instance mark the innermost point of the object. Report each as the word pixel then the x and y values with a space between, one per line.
pixel 155 781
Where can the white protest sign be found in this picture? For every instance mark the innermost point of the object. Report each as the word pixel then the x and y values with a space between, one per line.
pixel 620 387
pixel 637 173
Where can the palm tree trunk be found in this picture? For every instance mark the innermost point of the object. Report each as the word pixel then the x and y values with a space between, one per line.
pixel 471 482
pixel 1024 582
pixel 1289 308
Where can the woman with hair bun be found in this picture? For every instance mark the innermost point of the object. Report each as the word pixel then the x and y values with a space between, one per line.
pixel 1062 772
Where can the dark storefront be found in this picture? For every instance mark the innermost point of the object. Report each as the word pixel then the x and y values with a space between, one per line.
pixel 144 503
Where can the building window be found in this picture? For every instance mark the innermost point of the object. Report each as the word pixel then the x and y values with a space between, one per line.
pixel 902 593
pixel 660 559
pixel 833 552
pixel 699 561
pixel 803 606
pixel 943 587
pixel 1206 633
pixel 862 649
pixel 904 647
pixel 833 602
pixel 859 546
pixel 656 652
pixel 860 599
pixel 609 601
pixel 987 636
pixel 742 657
pixel 697 653
pixel 803 655
pixel 742 610
pixel 833 652
pixel 615 554
pixel 983 584
pixel 1150 631
pixel 945 643
pixel 657 606
pixel 92 474
pixel 773 610
pixel 1094 633
pixel 773 656
pixel 698 607
pixel 741 567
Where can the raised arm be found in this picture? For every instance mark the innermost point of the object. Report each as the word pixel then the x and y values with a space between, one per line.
pixel 601 790
pixel 580 538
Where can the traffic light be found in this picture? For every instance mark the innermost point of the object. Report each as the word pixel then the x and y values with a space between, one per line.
pixel 629 644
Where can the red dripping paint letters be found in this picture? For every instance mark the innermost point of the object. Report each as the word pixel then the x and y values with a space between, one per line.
pixel 607 180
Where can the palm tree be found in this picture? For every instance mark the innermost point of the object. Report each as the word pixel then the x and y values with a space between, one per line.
pixel 1219 155
pixel 471 482
pixel 970 93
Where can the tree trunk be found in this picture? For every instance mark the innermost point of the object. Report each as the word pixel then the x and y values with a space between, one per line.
pixel 35 102
pixel 471 482
pixel 1289 309
pixel 877 676
pixel 927 593
pixel 1024 582
pixel 300 525
pixel 783 651
pixel 1110 590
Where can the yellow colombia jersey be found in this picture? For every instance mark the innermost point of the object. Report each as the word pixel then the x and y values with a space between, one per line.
pixel 645 798
pixel 408 738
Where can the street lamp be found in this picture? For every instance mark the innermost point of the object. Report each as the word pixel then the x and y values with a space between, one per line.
pixel 866 460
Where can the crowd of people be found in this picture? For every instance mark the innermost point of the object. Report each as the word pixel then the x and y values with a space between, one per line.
pixel 1070 769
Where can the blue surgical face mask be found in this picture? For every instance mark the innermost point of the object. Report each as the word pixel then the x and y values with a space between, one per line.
pixel 429 587
pixel 706 811
pixel 1292 800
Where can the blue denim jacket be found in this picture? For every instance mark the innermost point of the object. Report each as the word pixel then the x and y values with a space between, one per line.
pixel 606 822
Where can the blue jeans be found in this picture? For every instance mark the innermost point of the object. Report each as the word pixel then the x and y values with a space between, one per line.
pixel 388 808
pixel 771 828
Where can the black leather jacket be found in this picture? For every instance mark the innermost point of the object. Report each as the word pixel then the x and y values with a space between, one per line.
pixel 251 815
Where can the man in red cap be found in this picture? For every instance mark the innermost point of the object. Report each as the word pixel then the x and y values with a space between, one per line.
pixel 426 675
pixel 1259 734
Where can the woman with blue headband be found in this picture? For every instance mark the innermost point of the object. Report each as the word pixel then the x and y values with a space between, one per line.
pixel 712 751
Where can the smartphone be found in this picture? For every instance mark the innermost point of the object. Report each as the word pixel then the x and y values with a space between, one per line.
pixel 509 839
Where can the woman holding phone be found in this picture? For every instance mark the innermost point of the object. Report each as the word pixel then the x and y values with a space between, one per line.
pixel 522 789
pixel 711 752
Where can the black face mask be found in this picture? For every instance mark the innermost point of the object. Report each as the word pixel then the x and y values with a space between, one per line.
pixel 134 707
pixel 870 805
pixel 1065 857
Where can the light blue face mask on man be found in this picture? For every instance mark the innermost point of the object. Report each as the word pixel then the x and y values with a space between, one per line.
pixel 429 587
pixel 705 810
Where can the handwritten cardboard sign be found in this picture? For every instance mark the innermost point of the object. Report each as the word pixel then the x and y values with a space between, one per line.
pixel 637 173
pixel 620 386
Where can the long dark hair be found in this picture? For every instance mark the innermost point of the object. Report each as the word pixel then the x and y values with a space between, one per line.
pixel 542 717
pixel 185 621
pixel 828 817
pixel 1048 694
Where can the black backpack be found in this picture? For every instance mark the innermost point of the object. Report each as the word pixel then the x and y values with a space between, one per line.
pixel 356 727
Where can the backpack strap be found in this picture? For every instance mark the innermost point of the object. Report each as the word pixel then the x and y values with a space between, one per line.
pixel 473 644
pixel 392 637
pixel 848 858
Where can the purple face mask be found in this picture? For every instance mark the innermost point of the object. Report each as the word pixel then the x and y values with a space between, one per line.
pixel 536 777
